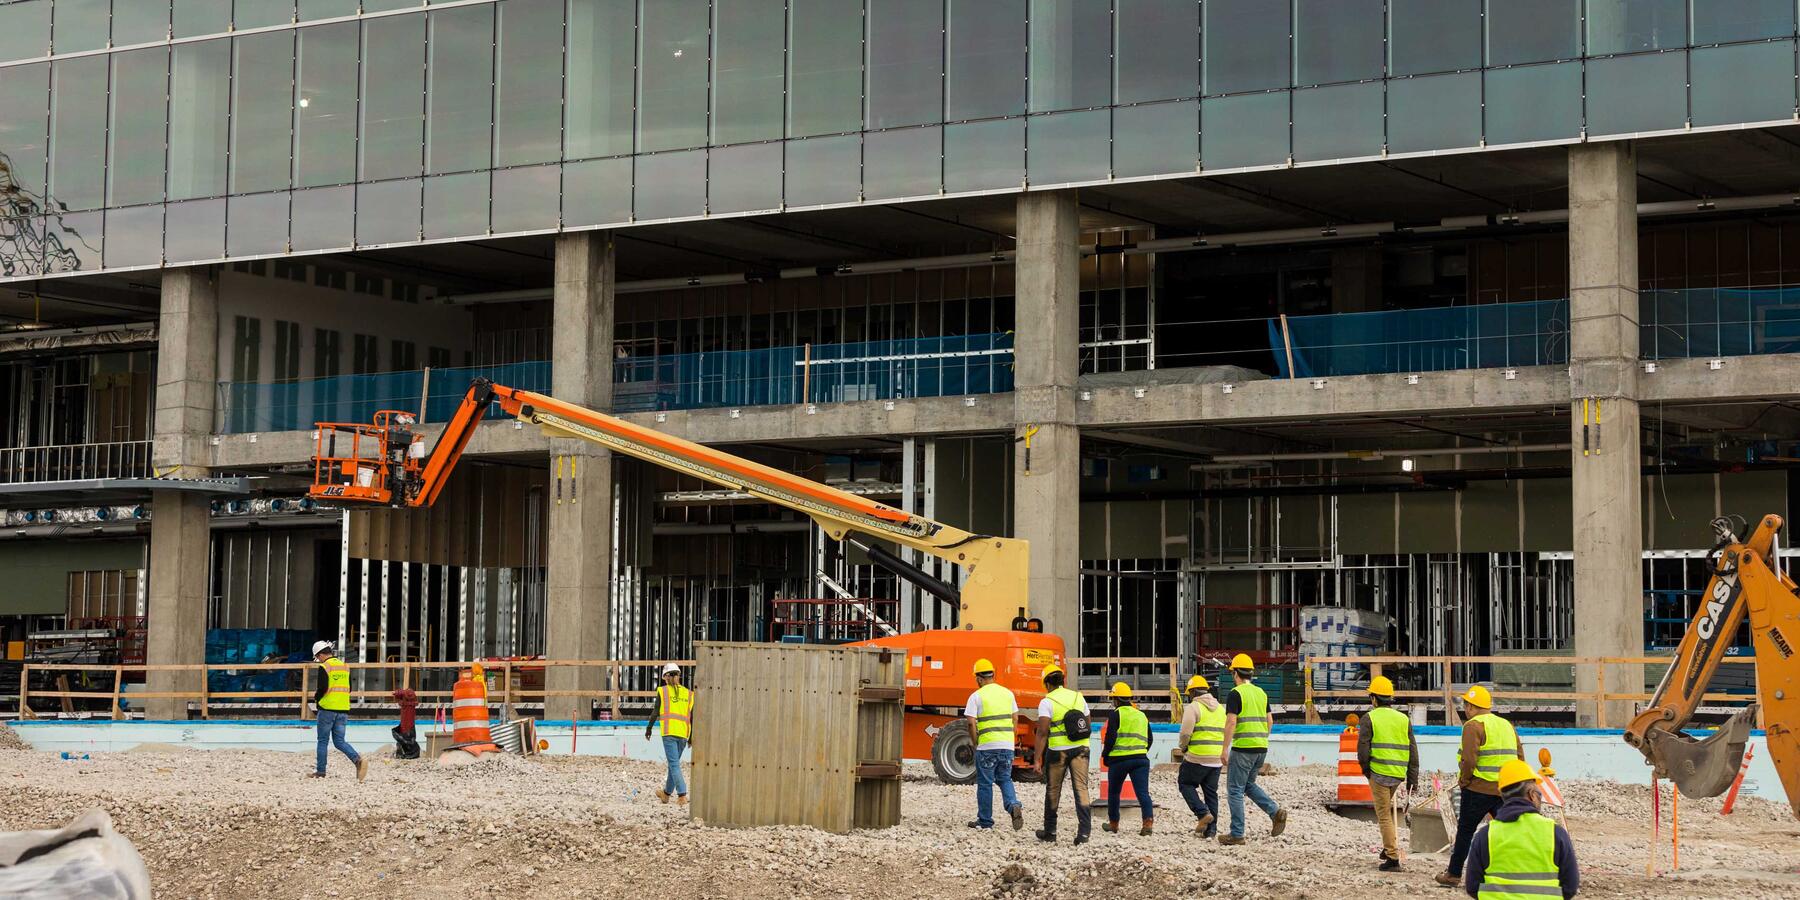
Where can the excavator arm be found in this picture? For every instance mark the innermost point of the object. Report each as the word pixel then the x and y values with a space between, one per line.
pixel 1746 583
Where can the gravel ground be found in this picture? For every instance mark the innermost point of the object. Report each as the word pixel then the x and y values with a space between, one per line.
pixel 247 823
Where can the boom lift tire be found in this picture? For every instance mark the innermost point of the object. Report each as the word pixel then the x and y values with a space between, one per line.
pixel 953 754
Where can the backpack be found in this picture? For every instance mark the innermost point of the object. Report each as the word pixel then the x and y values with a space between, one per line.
pixel 1076 724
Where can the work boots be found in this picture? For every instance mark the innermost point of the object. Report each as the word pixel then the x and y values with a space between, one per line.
pixel 1279 824
pixel 1230 840
pixel 1389 864
pixel 1204 823
pixel 1146 827
pixel 662 795
pixel 362 769
pixel 1018 815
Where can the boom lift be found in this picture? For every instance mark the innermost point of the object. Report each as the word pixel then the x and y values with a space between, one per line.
pixel 386 463
pixel 1745 582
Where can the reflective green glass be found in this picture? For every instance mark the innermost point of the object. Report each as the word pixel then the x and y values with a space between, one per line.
pixel 134 236
pixel 525 199
pixel 749 41
pixel 1522 31
pixel 528 87
pixel 325 120
pixel 602 51
pixel 393 97
pixel 1246 45
pixel 1071 54
pixel 324 218
pixel 456 205
pixel 24 30
pixel 1337 122
pixel 906 62
pixel 1338 40
pixel 1159 49
pixel 312 10
pixel 370 6
pixel 597 192
pixel 1247 130
pixel 72 241
pixel 194 18
pixel 744 178
pixel 987 41
pixel 199 95
pixel 262 112
pixel 24 114
pixel 1743 83
pixel 1156 139
pixel 981 156
pixel 1533 103
pixel 78 133
pixel 261 13
pixel 140 105
pixel 387 212
pixel 672 74
pixel 824 170
pixel 1627 26
pixel 1435 112
pixel 906 162
pixel 825 67
pixel 81 25
pixel 1433 35
pixel 460 90
pixel 671 185
pixel 1069 147
pixel 1740 20
pixel 1629 94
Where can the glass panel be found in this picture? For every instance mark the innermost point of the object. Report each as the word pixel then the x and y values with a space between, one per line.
pixel 387 212
pixel 1744 83
pixel 1627 26
pixel 749 40
pixel 24 30
pixel 745 178
pixel 672 76
pixel 1251 130
pixel 597 192
pixel 602 50
pixel 1533 103
pixel 824 170
pixel 904 163
pixel 1337 122
pixel 140 107
pixel 1740 20
pixel 199 88
pixel 78 133
pixel 456 205
pixel 137 23
pixel 906 62
pixel 526 199
pixel 1159 49
pixel 370 6
pixel 528 115
pixel 1521 31
pixel 262 112
pixel 1071 54
pixel 671 185
pixel 1159 139
pixel 987 58
pixel 1338 40
pixel 393 97
pixel 134 236
pixel 824 67
pixel 72 241
pixel 1068 147
pixel 24 112
pixel 21 251
pixel 195 231
pixel 1628 94
pixel 81 25
pixel 198 17
pixel 1433 35
pixel 311 10
pixel 256 224
pixel 261 13
pixel 982 156
pixel 325 142
pixel 1246 45
pixel 324 219
pixel 460 90
pixel 1435 113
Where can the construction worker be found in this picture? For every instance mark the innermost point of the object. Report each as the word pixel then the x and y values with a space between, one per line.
pixel 991 711
pixel 1246 744
pixel 1202 751
pixel 675 712
pixel 1061 757
pixel 333 702
pixel 1488 741
pixel 1389 754
pixel 1521 855
pixel 1127 752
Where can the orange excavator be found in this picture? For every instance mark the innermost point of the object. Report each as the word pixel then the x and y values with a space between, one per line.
pixel 1746 583
pixel 386 462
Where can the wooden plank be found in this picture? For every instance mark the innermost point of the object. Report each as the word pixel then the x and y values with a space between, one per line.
pixel 118 686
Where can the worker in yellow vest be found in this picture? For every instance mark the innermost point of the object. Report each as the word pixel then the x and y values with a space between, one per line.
pixel 1389 754
pixel 1201 749
pixel 1127 752
pixel 1062 755
pixel 1521 855
pixel 992 711
pixel 675 713
pixel 1488 741
pixel 1246 745
pixel 333 702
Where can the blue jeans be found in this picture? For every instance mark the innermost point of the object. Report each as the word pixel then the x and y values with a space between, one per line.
pixel 673 747
pixel 1136 768
pixel 1240 780
pixel 331 731
pixel 993 767
pixel 1195 780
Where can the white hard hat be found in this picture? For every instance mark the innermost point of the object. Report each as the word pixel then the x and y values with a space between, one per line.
pixel 320 647
pixel 671 669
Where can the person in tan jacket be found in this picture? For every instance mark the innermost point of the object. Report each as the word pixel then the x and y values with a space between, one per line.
pixel 1488 741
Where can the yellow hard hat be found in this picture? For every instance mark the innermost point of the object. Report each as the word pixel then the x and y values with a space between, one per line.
pixel 1477 695
pixel 983 667
pixel 1052 669
pixel 1121 689
pixel 1514 771
pixel 1242 661
pixel 1381 686
pixel 1197 682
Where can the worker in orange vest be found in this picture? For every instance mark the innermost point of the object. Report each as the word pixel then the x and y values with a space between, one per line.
pixel 675 712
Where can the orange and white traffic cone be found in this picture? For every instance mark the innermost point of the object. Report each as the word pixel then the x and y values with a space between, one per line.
pixel 469 720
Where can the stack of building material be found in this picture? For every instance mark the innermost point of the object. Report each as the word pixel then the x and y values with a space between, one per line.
pixel 1333 632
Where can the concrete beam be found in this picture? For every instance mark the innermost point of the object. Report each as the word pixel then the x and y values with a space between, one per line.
pixel 1768 376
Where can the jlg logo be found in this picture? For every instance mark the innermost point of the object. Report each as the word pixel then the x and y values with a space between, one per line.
pixel 1723 588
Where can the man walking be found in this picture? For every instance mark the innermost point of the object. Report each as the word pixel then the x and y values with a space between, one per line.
pixel 991 711
pixel 1062 756
pixel 1521 854
pixel 332 700
pixel 1488 742
pixel 1246 744
pixel 1389 754
pixel 1127 752
pixel 675 712
pixel 1201 748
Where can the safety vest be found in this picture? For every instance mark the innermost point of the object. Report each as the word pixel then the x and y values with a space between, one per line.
pixel 1133 738
pixel 1206 745
pixel 1062 701
pixel 1501 745
pixel 1390 742
pixel 337 686
pixel 1253 718
pixel 674 705
pixel 995 723
pixel 1521 860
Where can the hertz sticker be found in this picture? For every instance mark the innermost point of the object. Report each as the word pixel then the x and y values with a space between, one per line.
pixel 1039 657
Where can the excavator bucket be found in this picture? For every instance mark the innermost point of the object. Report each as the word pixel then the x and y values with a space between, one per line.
pixel 1704 767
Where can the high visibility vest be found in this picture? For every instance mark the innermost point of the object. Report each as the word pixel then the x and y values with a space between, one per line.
pixel 995 723
pixel 1253 718
pixel 1133 738
pixel 1206 745
pixel 674 710
pixel 1501 745
pixel 1390 742
pixel 1062 700
pixel 337 686
pixel 1521 860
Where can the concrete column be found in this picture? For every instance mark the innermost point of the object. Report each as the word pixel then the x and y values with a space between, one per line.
pixel 187 364
pixel 578 580
pixel 1603 366
pixel 1047 492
